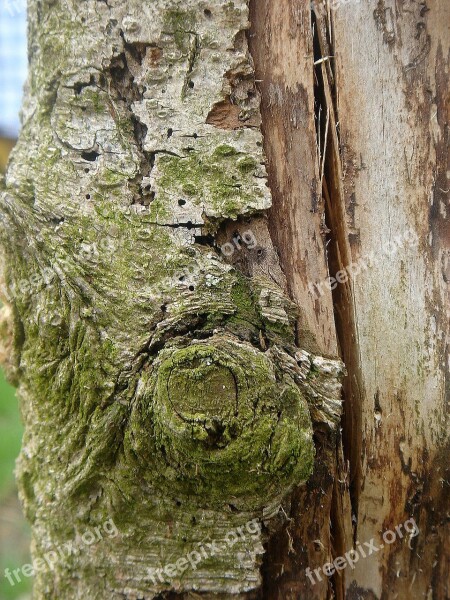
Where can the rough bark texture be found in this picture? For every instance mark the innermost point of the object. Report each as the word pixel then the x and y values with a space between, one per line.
pixel 174 364
pixel 160 380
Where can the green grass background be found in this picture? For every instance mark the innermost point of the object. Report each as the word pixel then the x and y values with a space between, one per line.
pixel 10 435
pixel 14 531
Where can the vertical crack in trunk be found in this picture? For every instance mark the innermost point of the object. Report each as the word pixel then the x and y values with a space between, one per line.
pixel 338 219
pixel 318 525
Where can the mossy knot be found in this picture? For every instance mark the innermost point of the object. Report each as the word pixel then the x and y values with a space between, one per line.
pixel 229 425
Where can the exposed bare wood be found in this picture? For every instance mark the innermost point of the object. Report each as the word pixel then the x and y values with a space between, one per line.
pixel 281 45
pixel 391 79
pixel 281 42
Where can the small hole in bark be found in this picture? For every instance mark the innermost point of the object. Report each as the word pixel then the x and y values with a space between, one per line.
pixel 191 84
pixel 86 170
pixel 189 225
pixel 90 156
pixel 178 503
pixel 169 132
pixel 181 202
pixel 205 240
pixel 164 310
pixel 191 288
pixel 182 278
pixel 208 13
pixel 88 196
pixel 317 545
pixel 194 521
pixel 195 136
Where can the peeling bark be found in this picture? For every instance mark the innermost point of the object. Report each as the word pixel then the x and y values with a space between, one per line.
pixel 319 525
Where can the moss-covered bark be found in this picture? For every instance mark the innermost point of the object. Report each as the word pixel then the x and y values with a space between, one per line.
pixel 159 380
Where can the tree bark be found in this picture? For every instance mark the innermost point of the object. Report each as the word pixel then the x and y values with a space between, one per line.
pixel 187 176
pixel 153 340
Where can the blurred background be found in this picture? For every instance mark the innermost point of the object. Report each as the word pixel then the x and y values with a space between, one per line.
pixel 14 531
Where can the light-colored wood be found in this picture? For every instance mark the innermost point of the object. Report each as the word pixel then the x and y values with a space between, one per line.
pixel 391 61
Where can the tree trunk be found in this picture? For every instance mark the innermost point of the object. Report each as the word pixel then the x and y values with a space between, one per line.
pixel 187 177
pixel 391 89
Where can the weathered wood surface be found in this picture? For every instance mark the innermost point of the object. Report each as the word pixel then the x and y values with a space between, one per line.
pixel 391 67
pixel 281 42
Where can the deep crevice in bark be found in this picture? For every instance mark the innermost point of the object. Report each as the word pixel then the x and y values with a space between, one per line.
pixel 338 248
pixel 127 90
pixel 304 539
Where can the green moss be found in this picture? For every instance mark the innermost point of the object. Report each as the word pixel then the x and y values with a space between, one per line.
pixel 313 372
pixel 242 297
pixel 225 150
pixel 216 180
pixel 179 23
pixel 189 189
pixel 224 425
pixel 110 178
pixel 247 164
pixel 95 99
pixel 278 330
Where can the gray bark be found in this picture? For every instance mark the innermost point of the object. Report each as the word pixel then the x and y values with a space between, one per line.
pixel 160 381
